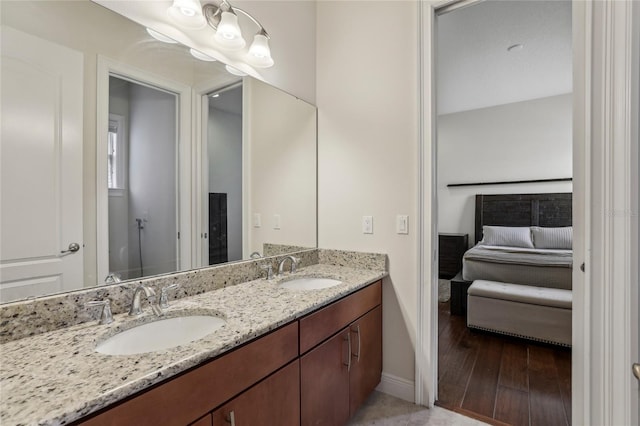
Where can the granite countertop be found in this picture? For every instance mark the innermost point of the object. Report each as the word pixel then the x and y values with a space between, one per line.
pixel 57 377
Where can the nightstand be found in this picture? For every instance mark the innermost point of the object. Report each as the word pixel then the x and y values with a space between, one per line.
pixel 458 299
pixel 451 248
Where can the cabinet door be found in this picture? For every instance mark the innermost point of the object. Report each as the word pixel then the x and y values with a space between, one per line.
pixel 324 382
pixel 366 357
pixel 274 401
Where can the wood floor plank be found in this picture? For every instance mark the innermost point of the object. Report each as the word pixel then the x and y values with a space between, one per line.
pixel 563 365
pixel 481 391
pixel 514 368
pixel 497 391
pixel 545 401
pixel 512 406
pixel 541 361
pixel 453 382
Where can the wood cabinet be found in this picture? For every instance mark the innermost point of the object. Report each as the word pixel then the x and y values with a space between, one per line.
pixel 366 358
pixel 340 373
pixel 267 382
pixel 275 400
pixel 324 384
pixel 451 248
pixel 183 399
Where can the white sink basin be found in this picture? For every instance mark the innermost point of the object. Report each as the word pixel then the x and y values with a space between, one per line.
pixel 310 283
pixel 160 335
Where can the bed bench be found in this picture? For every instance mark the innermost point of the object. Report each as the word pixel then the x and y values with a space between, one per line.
pixel 537 313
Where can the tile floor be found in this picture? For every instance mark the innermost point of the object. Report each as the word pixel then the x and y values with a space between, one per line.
pixel 385 410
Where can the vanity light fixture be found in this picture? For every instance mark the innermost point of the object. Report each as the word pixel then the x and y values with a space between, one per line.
pixel 199 55
pixel 223 19
pixel 235 71
pixel 160 37
pixel 187 13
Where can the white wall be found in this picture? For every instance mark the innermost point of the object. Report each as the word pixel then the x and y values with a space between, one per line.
pixel 518 141
pixel 225 171
pixel 280 142
pixel 292 27
pixel 367 96
pixel 152 179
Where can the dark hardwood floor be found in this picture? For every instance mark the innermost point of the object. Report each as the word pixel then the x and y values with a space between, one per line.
pixel 499 379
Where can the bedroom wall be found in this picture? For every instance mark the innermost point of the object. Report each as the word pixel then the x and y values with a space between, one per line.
pixel 518 141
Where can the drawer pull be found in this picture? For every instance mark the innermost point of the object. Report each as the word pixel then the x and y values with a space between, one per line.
pixel 348 363
pixel 231 418
pixel 357 331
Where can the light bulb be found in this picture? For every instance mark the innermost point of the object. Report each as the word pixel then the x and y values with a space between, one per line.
pixel 228 34
pixel 235 71
pixel 199 55
pixel 187 13
pixel 160 37
pixel 259 52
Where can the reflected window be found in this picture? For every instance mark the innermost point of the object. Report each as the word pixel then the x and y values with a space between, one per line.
pixel 116 152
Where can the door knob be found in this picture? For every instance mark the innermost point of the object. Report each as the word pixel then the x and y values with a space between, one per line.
pixel 636 370
pixel 73 247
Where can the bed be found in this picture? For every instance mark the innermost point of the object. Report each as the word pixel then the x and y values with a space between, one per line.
pixel 519 271
pixel 520 265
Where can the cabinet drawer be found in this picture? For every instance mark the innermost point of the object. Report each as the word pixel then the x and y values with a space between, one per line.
pixel 275 400
pixel 316 327
pixel 183 399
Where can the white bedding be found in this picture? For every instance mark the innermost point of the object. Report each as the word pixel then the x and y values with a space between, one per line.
pixel 538 267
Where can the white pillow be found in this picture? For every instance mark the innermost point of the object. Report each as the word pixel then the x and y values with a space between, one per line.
pixel 510 236
pixel 552 238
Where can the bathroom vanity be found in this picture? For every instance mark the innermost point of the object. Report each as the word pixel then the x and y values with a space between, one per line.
pixel 282 357
pixel 316 370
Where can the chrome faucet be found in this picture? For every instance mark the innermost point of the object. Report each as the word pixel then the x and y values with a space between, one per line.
pixel 294 264
pixel 136 309
pixel 105 313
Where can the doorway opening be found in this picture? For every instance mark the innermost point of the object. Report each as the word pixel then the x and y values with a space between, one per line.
pixel 223 166
pixel 504 128
pixel 142 180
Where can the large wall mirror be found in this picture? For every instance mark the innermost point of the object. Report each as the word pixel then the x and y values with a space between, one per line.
pixel 124 156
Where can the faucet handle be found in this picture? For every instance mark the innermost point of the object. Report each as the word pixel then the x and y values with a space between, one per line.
pixel 164 300
pixel 105 315
pixel 269 268
pixel 294 263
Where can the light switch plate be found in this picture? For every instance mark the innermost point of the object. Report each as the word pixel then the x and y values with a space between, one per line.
pixel 257 220
pixel 402 224
pixel 367 224
pixel 276 221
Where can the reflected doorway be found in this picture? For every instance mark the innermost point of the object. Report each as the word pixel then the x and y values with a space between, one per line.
pixel 225 177
pixel 142 180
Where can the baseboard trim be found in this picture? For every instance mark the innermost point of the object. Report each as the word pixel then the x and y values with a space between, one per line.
pixel 397 386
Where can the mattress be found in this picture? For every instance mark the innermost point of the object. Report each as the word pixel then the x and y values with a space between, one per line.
pixel 537 267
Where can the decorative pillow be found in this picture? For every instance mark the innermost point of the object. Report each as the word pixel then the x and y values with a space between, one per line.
pixel 552 238
pixel 510 236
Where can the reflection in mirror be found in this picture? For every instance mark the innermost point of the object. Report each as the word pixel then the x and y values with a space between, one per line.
pixel 224 154
pixel 141 180
pixel 66 185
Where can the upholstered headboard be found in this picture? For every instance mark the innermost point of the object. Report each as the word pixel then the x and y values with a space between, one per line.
pixel 550 210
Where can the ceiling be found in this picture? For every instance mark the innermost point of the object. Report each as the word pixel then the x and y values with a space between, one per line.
pixel 474 68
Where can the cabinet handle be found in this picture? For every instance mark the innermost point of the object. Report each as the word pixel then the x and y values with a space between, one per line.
pixel 348 363
pixel 231 418
pixel 357 330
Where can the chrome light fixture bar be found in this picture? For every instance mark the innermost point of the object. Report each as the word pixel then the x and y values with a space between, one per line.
pixel 223 19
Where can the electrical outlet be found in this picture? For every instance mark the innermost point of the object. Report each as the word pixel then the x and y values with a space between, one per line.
pixel 367 224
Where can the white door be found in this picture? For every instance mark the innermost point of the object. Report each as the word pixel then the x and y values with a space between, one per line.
pixel 40 167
